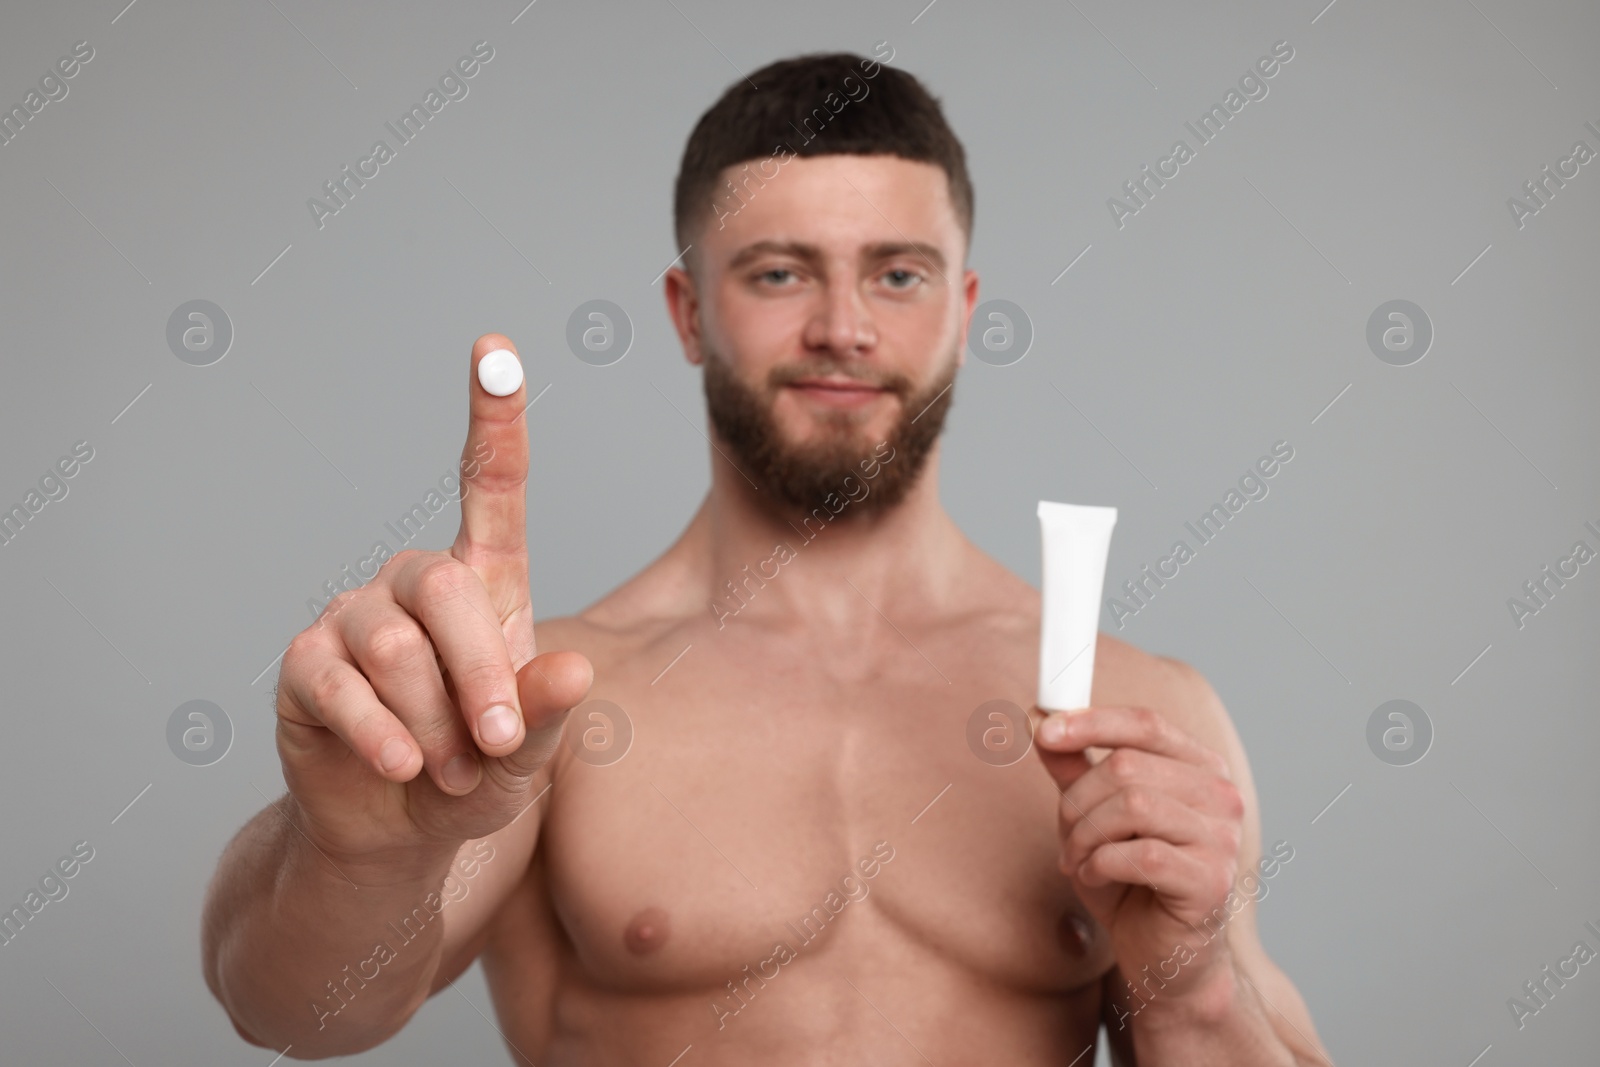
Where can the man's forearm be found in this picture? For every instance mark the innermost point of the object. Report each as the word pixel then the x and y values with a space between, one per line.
pixel 1224 1024
pixel 289 939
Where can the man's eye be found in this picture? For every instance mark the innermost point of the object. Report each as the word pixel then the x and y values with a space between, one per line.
pixel 902 279
pixel 769 275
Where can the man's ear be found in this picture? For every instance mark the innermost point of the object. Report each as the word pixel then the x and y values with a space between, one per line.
pixel 683 307
pixel 970 298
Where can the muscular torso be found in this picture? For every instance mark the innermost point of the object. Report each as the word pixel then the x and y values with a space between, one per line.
pixel 711 888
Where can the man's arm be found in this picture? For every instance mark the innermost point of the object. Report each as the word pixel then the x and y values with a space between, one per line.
pixel 416 723
pixel 487 872
pixel 1254 1012
pixel 288 939
pixel 1174 833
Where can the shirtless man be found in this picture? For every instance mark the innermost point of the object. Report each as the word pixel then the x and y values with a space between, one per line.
pixel 781 849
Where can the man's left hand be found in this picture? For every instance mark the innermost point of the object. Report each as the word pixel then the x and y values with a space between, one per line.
pixel 1149 836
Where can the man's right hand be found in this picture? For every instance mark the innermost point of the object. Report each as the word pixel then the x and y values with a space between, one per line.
pixel 415 713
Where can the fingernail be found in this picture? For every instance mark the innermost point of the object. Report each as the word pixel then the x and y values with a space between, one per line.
pixel 1054 729
pixel 393 755
pixel 500 372
pixel 498 725
pixel 461 772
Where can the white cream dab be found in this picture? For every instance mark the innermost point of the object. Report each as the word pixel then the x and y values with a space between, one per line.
pixel 500 372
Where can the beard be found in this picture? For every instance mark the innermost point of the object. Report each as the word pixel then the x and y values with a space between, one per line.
pixel 799 477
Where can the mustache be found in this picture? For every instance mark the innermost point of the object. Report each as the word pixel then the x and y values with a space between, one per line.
pixel 892 382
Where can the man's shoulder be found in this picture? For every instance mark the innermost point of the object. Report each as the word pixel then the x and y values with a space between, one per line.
pixel 1126 675
pixel 609 627
pixel 1131 677
pixel 584 630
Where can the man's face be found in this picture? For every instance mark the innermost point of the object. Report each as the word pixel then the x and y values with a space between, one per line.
pixel 830 314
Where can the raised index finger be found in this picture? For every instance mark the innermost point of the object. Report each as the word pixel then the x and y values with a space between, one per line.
pixel 494 475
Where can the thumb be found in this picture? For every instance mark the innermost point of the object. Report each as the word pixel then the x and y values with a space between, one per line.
pixel 1065 767
pixel 548 686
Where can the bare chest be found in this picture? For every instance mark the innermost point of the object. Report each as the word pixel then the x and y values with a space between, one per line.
pixel 744 807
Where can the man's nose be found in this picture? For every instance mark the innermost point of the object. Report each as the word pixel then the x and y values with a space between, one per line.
pixel 843 322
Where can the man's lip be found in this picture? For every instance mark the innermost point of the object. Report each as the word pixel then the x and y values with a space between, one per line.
pixel 839 384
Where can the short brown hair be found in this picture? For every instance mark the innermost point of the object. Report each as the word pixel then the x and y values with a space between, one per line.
pixel 813 105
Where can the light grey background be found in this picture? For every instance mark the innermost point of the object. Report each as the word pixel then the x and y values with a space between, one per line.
pixel 1227 315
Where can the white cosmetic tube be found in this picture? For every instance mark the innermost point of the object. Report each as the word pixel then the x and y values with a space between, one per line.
pixel 1077 540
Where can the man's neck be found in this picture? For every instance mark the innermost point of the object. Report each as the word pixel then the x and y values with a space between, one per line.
pixel 830 567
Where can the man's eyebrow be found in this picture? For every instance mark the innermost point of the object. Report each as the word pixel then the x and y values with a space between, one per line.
pixel 812 255
pixel 887 249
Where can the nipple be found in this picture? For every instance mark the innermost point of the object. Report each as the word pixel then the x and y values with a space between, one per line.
pixel 1074 934
pixel 647 932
